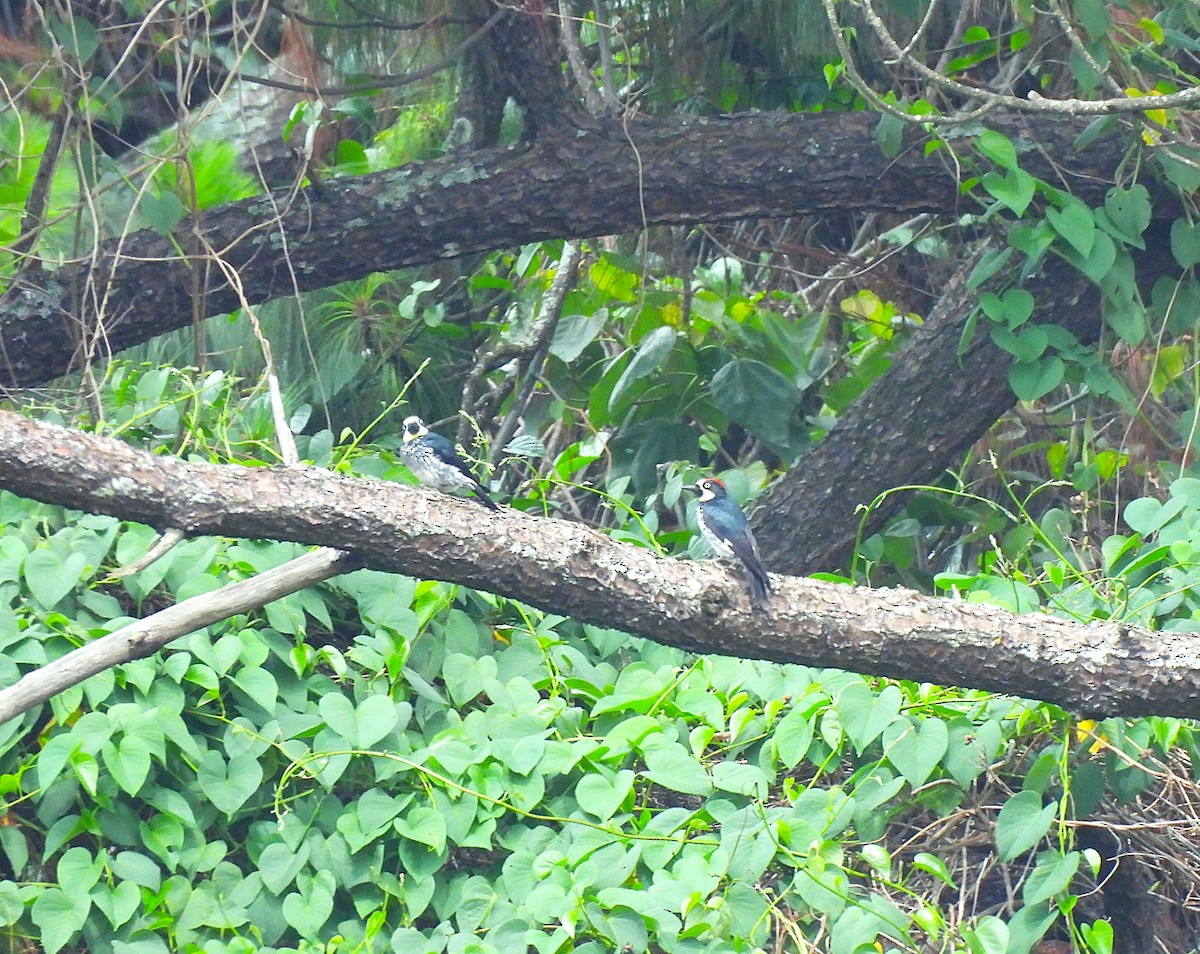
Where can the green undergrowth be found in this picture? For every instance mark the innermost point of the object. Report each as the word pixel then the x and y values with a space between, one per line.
pixel 386 764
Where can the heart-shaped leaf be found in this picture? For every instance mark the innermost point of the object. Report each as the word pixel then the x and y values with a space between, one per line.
pixel 914 752
pixel 1031 380
pixel 865 714
pixel 50 578
pixel 1185 242
pixel 1014 189
pixel 228 786
pixel 603 797
pixel 308 909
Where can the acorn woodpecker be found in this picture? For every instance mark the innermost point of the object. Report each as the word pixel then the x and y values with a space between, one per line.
pixel 724 526
pixel 435 463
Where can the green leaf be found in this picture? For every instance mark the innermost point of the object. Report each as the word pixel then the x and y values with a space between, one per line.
pixel 672 766
pixel 54 756
pixel 1075 223
pixel 59 914
pixel 989 936
pixel 339 714
pixel 1031 380
pixel 1093 16
pixel 889 134
pixel 997 147
pixel 228 786
pixel 1099 936
pixel 914 752
pixel 1022 823
pixel 1011 309
pixel 1052 875
pixel 278 865
pixel 424 825
pixel 972 749
pixel 1026 346
pixel 138 869
pixel 637 689
pixel 309 909
pixel 162 212
pixel 375 717
pixel 1145 515
pixel 989 265
pixel 603 797
pixel 119 903
pixel 1128 212
pixel 934 865
pixel 50 578
pixel 259 685
pixel 11 904
pixel 1185 242
pixel 649 357
pixel 1014 189
pixel 865 714
pixel 1099 260
pixel 576 332
pixel 376 808
pixel 793 736
pixel 757 397
pixel 1028 926
pixel 78 35
pixel 741 779
pixel 1127 318
pixel 1180 167
pixel 79 869
pixel 128 762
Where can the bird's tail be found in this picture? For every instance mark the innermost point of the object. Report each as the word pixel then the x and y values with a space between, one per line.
pixel 760 583
pixel 481 495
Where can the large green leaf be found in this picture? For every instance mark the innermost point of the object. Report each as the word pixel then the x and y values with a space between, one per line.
pixel 757 397
pixel 1022 823
pixel 652 351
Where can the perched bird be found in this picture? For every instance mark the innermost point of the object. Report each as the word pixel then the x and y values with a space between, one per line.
pixel 724 526
pixel 435 463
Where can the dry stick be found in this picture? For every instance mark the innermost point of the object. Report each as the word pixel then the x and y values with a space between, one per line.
pixel 543 332
pixel 160 548
pixel 151 634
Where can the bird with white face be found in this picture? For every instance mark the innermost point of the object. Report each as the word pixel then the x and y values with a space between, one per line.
pixel 725 528
pixel 435 463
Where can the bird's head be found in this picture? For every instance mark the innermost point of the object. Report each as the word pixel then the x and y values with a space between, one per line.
pixel 414 428
pixel 709 488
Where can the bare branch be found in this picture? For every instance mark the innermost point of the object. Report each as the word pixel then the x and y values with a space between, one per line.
pixel 149 635
pixel 159 549
pixel 566 568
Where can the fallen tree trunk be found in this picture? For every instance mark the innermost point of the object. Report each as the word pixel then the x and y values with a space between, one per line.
pixel 561 567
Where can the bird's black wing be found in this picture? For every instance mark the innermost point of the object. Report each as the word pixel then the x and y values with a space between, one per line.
pixel 746 549
pixel 447 454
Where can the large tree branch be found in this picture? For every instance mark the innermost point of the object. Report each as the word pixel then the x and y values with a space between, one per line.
pixel 607 179
pixel 571 569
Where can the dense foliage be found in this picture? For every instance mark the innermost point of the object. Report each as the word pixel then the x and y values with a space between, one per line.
pixel 387 764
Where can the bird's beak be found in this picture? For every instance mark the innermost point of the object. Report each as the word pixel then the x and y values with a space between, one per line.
pixel 691 488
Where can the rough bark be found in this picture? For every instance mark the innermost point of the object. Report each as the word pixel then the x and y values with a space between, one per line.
pixel 913 422
pixel 568 568
pixel 611 178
